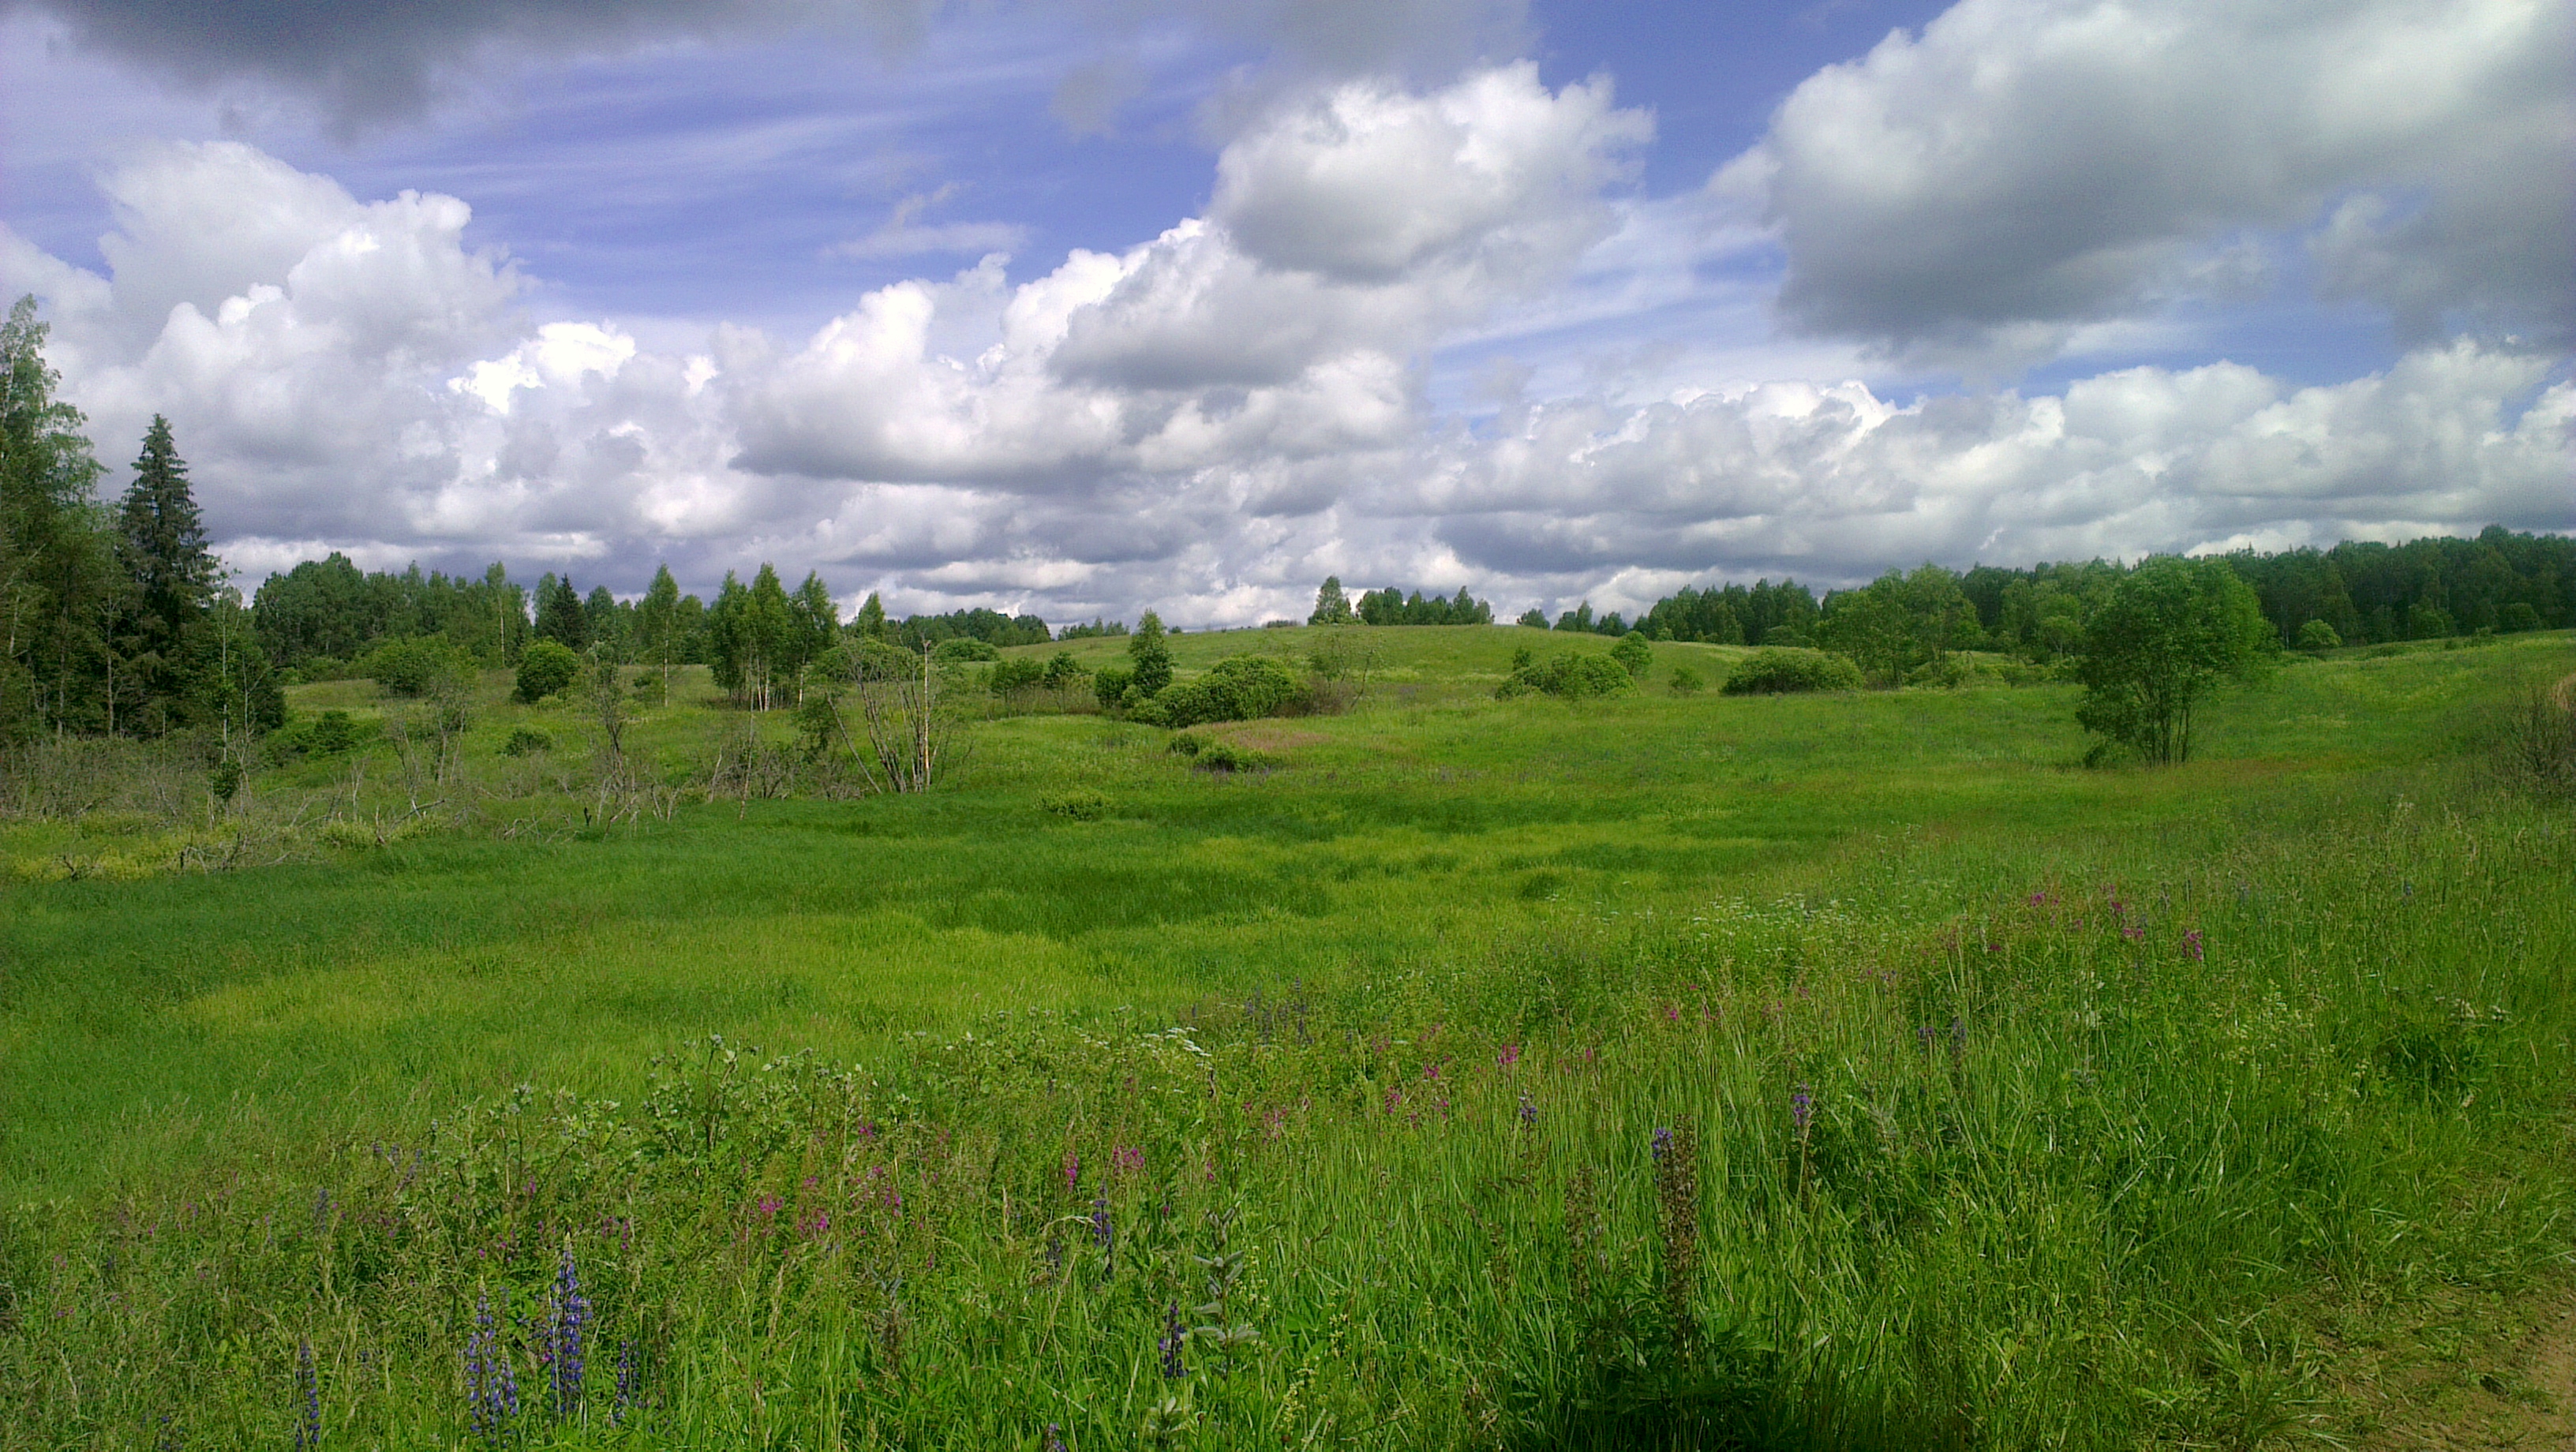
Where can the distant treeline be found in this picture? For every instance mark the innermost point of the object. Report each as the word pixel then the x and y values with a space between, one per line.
pixel 2362 593
pixel 1392 606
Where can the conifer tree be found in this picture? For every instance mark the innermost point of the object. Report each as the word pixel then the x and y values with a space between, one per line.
pixel 57 575
pixel 560 617
pixel 871 621
pixel 171 575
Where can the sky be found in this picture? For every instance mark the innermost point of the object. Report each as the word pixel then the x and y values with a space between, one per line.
pixel 1105 305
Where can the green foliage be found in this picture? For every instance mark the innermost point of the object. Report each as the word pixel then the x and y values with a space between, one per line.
pixel 415 667
pixel 989 626
pixel 1149 658
pixel 560 616
pixel 1238 688
pixel 1111 684
pixel 962 650
pixel 2172 630
pixel 1773 671
pixel 1082 805
pixel 527 741
pixel 1184 743
pixel 1687 682
pixel 1015 676
pixel 2318 635
pixel 1394 607
pixel 546 668
pixel 1332 607
pixel 1533 617
pixel 1063 672
pixel 1225 757
pixel 1098 629
pixel 1634 654
pixel 1570 675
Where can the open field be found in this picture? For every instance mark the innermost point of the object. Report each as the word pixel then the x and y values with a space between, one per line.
pixel 1665 1070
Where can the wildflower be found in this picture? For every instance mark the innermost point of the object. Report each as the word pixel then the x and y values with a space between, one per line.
pixel 308 1390
pixel 1054 1438
pixel 1127 1161
pixel 1173 1339
pixel 571 1321
pixel 629 1374
pixel 1072 1173
pixel 1677 1214
pixel 2191 944
pixel 1802 1111
pixel 491 1385
pixel 1510 1055
pixel 1663 1144
pixel 1529 1112
pixel 1103 1234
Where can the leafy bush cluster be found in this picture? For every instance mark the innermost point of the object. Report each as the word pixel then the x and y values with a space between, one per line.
pixel 1776 671
pixel 1567 675
pixel 546 668
pixel 1220 756
pixel 1238 688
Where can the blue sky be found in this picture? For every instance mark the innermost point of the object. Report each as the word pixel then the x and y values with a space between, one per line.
pixel 1571 301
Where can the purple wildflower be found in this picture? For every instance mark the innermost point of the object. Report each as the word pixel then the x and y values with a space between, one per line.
pixel 491 1386
pixel 1129 1160
pixel 1529 1111
pixel 628 1376
pixel 1054 1438
pixel 1072 1173
pixel 1802 1110
pixel 308 1396
pixel 1663 1143
pixel 571 1318
pixel 1103 1233
pixel 2191 944
pixel 1174 1338
pixel 1510 1055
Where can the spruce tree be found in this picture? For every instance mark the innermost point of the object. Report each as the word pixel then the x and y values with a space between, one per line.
pixel 871 621
pixel 173 574
pixel 560 617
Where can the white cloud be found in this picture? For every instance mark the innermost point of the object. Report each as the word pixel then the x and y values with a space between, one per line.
pixel 2025 166
pixel 1212 419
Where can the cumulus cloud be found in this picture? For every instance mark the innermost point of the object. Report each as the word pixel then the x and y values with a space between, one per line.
pixel 2023 167
pixel 1206 422
pixel 1837 483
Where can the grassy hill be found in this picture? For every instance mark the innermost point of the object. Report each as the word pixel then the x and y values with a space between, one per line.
pixel 1827 1071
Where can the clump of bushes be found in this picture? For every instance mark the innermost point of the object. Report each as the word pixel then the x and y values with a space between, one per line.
pixel 328 734
pixel 1226 757
pixel 1687 682
pixel 964 650
pixel 415 667
pixel 527 741
pixel 1080 806
pixel 1568 675
pixel 1777 670
pixel 546 668
pixel 1238 688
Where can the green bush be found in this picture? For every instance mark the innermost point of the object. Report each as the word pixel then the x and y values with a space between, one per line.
pixel 2519 616
pixel 546 667
pixel 1220 756
pixel 2318 635
pixel 1081 806
pixel 1687 682
pixel 964 650
pixel 1238 688
pixel 1569 675
pixel 1777 670
pixel 1184 743
pixel 1015 675
pixel 527 741
pixel 1109 686
pixel 1634 654
pixel 415 667
pixel 1063 672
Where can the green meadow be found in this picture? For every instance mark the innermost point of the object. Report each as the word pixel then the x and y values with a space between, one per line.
pixel 1849 1070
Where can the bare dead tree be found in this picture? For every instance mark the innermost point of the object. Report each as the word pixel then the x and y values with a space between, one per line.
pixel 909 739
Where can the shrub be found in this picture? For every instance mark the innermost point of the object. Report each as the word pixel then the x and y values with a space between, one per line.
pixel 1238 688
pixel 1219 756
pixel 527 741
pixel 1634 654
pixel 1109 684
pixel 1573 676
pixel 414 667
pixel 328 734
pixel 546 667
pixel 1184 743
pixel 2519 616
pixel 2317 635
pixel 964 650
pixel 1015 675
pixel 2538 748
pixel 1686 682
pixel 1063 672
pixel 1081 806
pixel 1777 670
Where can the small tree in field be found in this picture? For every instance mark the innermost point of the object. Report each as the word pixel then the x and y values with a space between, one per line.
pixel 2171 631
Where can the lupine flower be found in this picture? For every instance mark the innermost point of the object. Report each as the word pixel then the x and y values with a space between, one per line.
pixel 1529 1111
pixel 1510 1055
pixel 308 1396
pixel 1923 1035
pixel 1054 1438
pixel 628 1375
pixel 1173 1339
pixel 571 1321
pixel 1802 1110
pixel 1102 1232
pixel 491 1386
pixel 1663 1144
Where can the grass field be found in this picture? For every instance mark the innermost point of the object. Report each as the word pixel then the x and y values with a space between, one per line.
pixel 1666 1070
